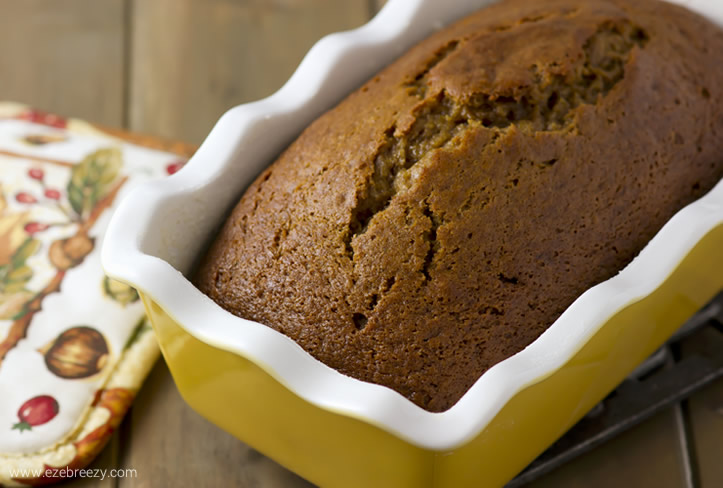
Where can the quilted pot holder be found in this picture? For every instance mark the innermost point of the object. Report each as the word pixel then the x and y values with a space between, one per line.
pixel 74 345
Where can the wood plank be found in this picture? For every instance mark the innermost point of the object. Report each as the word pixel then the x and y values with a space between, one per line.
pixel 705 410
pixel 647 456
pixel 168 444
pixel 193 60
pixel 64 56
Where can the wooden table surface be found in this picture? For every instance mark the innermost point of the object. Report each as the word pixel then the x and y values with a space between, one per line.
pixel 170 68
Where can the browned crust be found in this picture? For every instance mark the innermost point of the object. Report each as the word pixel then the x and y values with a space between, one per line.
pixel 442 217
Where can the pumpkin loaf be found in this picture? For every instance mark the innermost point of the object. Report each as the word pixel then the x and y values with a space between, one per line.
pixel 443 215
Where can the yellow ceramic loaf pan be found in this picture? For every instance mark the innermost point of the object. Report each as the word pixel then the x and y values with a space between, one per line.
pixel 337 431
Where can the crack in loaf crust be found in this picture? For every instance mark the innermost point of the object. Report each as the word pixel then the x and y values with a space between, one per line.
pixel 441 217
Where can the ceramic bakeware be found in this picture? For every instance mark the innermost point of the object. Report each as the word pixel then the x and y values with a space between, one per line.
pixel 337 431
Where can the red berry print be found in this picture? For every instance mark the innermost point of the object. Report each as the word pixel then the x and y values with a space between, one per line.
pixel 52 193
pixel 36 174
pixel 24 197
pixel 37 411
pixel 33 227
pixel 175 166
pixel 44 118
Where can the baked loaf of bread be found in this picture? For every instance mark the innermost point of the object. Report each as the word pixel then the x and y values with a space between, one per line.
pixel 443 215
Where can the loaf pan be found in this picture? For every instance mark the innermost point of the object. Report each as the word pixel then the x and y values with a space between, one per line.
pixel 338 431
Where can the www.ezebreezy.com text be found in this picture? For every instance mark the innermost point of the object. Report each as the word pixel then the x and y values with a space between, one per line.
pixel 100 473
